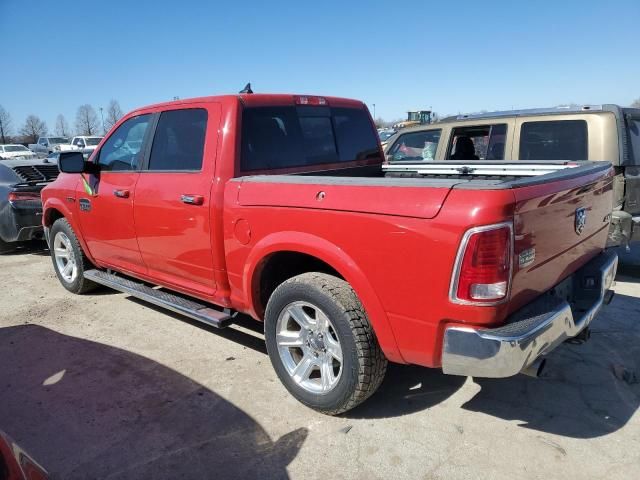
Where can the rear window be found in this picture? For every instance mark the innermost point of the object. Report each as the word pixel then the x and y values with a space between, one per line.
pixel 554 140
pixel 633 125
pixel 15 148
pixel 286 137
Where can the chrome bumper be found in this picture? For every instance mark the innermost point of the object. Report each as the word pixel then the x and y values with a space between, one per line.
pixel 534 330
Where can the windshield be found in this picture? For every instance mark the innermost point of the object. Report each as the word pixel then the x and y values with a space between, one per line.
pixel 93 140
pixel 15 148
pixel 287 137
pixel 386 135
pixel 56 140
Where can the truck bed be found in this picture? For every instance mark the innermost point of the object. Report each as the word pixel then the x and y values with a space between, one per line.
pixel 405 230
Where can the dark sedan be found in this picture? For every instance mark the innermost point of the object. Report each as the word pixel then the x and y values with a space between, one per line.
pixel 20 204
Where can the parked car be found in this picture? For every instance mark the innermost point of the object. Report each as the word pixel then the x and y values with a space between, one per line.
pixel 87 144
pixel 287 215
pixel 593 132
pixel 16 464
pixel 20 206
pixel 15 151
pixel 47 145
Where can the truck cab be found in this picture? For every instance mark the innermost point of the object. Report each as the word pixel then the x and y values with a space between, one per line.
pixel 86 144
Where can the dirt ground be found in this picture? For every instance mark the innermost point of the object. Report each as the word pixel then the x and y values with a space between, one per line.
pixel 103 386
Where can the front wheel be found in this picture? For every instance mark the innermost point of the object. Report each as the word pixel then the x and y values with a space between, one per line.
pixel 69 261
pixel 321 344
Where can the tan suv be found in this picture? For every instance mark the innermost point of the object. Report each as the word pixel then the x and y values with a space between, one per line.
pixel 592 132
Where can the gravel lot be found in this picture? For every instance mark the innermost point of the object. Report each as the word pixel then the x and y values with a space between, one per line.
pixel 102 386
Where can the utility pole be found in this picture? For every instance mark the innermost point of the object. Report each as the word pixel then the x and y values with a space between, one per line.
pixel 374 110
pixel 102 117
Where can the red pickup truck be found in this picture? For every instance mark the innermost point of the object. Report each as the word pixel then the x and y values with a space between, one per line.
pixel 280 207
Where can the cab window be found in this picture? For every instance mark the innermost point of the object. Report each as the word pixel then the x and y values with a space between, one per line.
pixel 479 142
pixel 554 140
pixel 122 151
pixel 417 146
pixel 178 143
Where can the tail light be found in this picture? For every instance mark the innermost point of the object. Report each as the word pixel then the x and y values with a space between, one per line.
pixel 307 100
pixel 23 196
pixel 482 273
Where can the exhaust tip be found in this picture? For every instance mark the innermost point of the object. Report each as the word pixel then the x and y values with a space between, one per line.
pixel 535 369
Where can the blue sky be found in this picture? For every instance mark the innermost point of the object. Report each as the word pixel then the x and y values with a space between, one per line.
pixel 453 56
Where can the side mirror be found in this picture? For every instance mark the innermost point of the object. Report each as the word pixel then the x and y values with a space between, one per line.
pixel 73 162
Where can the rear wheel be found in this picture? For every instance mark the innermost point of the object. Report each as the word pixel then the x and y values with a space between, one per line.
pixel 69 261
pixel 321 344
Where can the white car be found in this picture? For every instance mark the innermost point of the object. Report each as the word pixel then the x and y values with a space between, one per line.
pixel 85 143
pixel 15 151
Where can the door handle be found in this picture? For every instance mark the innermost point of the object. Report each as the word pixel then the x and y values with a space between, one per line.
pixel 192 199
pixel 121 193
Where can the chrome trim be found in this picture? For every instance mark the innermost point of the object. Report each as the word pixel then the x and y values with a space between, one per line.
pixel 455 277
pixel 493 354
pixel 531 111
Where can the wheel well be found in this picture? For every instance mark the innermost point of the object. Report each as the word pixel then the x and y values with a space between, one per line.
pixel 279 267
pixel 51 216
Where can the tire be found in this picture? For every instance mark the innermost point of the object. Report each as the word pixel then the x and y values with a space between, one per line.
pixel 327 305
pixel 62 237
pixel 7 247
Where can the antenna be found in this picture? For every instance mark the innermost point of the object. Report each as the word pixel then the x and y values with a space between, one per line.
pixel 247 88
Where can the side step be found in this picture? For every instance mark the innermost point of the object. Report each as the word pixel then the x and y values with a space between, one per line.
pixel 190 308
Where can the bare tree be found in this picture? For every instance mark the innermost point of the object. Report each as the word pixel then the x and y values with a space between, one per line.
pixel 86 120
pixel 62 127
pixel 5 125
pixel 114 113
pixel 33 128
pixel 636 104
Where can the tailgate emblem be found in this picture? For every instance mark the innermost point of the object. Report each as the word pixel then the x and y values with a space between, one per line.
pixel 581 219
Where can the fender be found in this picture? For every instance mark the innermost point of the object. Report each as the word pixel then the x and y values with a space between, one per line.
pixel 335 257
pixel 54 203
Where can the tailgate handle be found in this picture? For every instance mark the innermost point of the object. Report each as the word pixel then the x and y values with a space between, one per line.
pixel 192 199
pixel 121 193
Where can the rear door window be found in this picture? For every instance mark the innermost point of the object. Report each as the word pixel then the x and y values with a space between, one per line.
pixel 178 143
pixel 478 142
pixel 418 146
pixel 554 140
pixel 287 137
pixel 633 126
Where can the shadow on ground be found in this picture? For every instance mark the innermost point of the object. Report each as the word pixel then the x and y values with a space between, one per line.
pixel 35 247
pixel 586 391
pixel 407 389
pixel 88 410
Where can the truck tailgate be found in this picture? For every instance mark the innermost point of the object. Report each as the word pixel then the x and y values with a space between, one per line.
pixel 558 227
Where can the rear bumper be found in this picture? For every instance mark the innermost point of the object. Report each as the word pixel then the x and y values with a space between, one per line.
pixel 21 224
pixel 534 330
